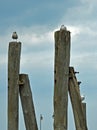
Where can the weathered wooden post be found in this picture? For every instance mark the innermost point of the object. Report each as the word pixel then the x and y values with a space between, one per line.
pixel 13 84
pixel 27 103
pixel 84 112
pixel 76 102
pixel 61 74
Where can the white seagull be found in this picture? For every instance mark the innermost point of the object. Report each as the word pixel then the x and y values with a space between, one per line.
pixel 63 27
pixel 82 97
pixel 14 35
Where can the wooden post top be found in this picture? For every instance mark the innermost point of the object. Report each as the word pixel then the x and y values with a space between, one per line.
pixel 63 29
pixel 14 42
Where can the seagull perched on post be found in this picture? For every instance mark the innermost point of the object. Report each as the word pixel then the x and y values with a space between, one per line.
pixel 14 35
pixel 63 27
pixel 82 97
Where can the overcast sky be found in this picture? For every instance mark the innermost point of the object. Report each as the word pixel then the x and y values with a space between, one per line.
pixel 35 22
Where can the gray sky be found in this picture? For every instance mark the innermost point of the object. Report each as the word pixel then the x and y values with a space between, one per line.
pixel 35 22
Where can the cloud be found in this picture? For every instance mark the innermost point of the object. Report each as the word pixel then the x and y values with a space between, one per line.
pixel 30 38
pixel 38 44
pixel 33 38
pixel 81 14
pixel 84 59
pixel 4 59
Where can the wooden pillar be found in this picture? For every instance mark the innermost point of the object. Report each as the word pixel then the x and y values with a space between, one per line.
pixel 27 103
pixel 61 73
pixel 84 112
pixel 76 102
pixel 13 86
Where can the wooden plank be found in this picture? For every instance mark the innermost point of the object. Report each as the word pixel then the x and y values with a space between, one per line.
pixel 61 72
pixel 84 112
pixel 27 103
pixel 76 102
pixel 13 86
pixel 72 76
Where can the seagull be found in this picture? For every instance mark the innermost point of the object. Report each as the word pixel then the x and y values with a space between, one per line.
pixel 14 35
pixel 63 27
pixel 82 98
